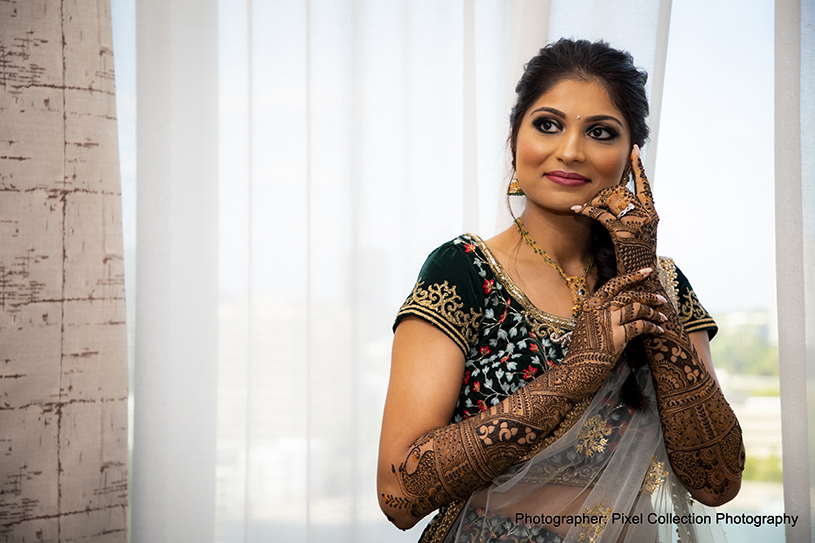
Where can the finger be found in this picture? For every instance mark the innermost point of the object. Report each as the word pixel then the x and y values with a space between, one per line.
pixel 643 187
pixel 619 201
pixel 621 283
pixel 639 328
pixel 637 296
pixel 597 213
pixel 613 197
pixel 638 311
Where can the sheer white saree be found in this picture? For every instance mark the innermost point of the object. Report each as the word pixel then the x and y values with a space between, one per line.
pixel 607 479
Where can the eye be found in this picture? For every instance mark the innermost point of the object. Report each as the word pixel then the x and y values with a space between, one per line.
pixel 547 125
pixel 603 133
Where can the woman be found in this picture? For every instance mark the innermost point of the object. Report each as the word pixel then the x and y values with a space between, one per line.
pixel 561 360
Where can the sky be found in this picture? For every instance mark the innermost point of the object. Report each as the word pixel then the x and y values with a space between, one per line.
pixel 714 179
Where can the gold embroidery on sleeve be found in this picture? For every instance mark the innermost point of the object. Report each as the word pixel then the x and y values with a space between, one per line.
pixel 667 276
pixel 441 305
pixel 691 312
pixel 690 309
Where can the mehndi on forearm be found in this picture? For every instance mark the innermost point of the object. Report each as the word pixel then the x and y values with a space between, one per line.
pixel 451 462
pixel 702 435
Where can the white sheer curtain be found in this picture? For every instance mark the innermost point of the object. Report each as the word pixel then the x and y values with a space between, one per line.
pixel 795 235
pixel 297 160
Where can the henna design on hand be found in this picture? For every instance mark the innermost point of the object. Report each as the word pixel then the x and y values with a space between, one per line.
pixel 702 435
pixel 703 438
pixel 631 220
pixel 452 461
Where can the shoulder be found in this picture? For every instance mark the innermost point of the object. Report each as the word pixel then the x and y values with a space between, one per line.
pixel 457 251
pixel 449 292
pixel 692 313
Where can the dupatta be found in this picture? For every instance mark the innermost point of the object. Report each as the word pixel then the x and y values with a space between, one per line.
pixel 607 479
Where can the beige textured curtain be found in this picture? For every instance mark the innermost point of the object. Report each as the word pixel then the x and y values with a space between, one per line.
pixel 63 368
pixel 795 254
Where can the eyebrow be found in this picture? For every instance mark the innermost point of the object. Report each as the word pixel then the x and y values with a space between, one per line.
pixel 592 119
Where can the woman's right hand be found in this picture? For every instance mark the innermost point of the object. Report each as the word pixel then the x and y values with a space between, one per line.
pixel 609 319
pixel 631 219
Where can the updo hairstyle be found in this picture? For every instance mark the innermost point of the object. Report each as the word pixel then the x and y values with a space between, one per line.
pixel 584 61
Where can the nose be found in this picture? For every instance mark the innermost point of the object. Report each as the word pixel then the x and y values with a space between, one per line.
pixel 571 147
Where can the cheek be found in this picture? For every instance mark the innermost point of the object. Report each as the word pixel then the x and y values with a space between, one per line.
pixel 529 154
pixel 611 167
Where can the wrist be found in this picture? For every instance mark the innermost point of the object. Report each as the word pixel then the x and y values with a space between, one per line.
pixel 579 375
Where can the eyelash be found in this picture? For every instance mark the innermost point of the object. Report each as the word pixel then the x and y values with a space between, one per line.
pixel 538 123
pixel 612 133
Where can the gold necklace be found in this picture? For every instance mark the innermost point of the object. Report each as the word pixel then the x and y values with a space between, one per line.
pixel 576 283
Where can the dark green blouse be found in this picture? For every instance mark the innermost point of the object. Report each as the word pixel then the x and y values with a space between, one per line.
pixel 506 341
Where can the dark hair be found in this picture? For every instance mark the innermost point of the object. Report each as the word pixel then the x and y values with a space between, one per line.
pixel 614 69
pixel 586 61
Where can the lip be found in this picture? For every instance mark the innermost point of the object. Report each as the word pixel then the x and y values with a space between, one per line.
pixel 567 179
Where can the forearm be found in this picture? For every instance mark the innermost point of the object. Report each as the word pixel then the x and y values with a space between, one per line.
pixel 451 462
pixel 702 435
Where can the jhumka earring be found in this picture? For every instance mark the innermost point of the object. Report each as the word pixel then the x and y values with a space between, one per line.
pixel 515 187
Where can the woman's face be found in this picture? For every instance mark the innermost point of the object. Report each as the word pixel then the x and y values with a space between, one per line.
pixel 572 143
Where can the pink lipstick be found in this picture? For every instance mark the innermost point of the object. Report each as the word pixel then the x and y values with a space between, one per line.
pixel 567 179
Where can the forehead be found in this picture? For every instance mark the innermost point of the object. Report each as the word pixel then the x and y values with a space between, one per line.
pixel 578 97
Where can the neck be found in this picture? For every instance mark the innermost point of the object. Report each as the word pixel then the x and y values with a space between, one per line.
pixel 566 238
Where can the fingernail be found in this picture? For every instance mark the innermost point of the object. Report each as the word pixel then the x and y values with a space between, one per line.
pixel 661 329
pixel 646 271
pixel 663 317
pixel 577 208
pixel 661 299
pixel 636 151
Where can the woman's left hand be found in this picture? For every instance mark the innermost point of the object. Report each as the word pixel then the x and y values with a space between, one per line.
pixel 631 219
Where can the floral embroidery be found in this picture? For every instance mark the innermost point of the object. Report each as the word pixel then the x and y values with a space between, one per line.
pixel 655 477
pixel 592 437
pixel 508 351
pixel 516 342
pixel 594 530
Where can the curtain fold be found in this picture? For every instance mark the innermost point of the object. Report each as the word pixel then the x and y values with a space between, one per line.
pixel 288 194
pixel 795 254
pixel 63 342
pixel 175 377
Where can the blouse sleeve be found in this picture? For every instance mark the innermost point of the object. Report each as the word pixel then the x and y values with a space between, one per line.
pixel 448 294
pixel 693 315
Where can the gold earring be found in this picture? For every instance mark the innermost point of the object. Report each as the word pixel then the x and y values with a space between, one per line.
pixel 515 187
